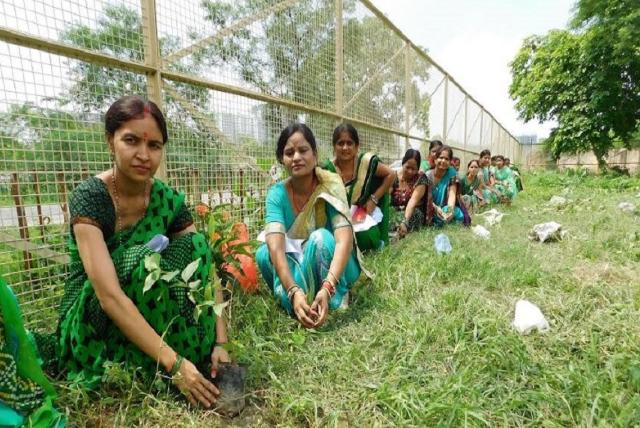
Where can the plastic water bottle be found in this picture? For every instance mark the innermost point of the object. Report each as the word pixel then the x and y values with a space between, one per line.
pixel 442 244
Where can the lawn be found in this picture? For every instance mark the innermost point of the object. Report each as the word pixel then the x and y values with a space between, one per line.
pixel 429 341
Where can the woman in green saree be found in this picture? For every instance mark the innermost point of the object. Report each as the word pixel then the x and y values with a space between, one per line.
pixel 474 193
pixel 107 314
pixel 367 181
pixel 308 261
pixel 488 177
pixel 505 180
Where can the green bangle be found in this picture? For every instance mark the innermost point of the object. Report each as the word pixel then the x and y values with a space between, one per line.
pixel 176 365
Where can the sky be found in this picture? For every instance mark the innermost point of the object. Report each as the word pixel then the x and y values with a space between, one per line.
pixel 474 41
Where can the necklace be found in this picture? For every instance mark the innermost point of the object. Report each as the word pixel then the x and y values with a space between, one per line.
pixel 298 208
pixel 116 199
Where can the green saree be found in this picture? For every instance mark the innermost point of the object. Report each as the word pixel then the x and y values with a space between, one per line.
pixel 359 190
pixel 87 338
pixel 26 395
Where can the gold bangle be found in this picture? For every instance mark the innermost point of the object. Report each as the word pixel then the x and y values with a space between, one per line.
pixel 334 278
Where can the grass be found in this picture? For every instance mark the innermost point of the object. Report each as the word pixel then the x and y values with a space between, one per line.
pixel 429 341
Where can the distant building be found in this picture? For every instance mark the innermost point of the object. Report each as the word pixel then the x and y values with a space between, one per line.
pixel 528 140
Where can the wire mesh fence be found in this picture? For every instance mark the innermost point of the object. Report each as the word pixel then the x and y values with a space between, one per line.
pixel 228 75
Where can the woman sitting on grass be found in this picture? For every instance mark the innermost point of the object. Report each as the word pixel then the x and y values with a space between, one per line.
pixel 367 181
pixel 505 180
pixel 516 174
pixel 309 259
pixel 474 193
pixel 409 194
pixel 443 181
pixel 430 162
pixel 487 176
pixel 107 311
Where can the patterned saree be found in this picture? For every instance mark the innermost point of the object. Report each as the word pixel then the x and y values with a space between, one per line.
pixel 359 190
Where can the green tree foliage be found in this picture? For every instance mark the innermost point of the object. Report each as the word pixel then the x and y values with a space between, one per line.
pixel 587 78
pixel 292 56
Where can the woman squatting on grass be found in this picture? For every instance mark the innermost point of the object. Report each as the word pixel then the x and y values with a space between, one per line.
pixel 309 260
pixel 107 312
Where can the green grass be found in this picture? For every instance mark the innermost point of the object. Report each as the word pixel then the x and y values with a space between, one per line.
pixel 429 341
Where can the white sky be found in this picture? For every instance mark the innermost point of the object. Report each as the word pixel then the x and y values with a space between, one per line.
pixel 474 40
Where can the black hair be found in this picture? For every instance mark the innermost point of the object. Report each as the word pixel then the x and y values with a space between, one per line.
pixel 445 149
pixel 455 158
pixel 499 157
pixel 472 161
pixel 349 129
pixel 434 143
pixel 412 154
pixel 133 107
pixel 287 132
pixel 485 152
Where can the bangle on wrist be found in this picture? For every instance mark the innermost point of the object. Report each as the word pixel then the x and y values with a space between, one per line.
pixel 175 368
pixel 335 280
pixel 329 287
pixel 374 199
pixel 292 292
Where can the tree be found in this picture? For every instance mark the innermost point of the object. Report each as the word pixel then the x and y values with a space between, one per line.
pixel 291 55
pixel 587 78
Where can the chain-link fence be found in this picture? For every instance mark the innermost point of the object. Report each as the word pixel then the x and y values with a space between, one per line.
pixel 229 75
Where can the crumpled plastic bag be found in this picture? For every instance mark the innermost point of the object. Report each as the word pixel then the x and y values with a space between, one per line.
pixel 529 317
pixel 442 244
pixel 492 217
pixel 627 207
pixel 550 231
pixel 481 232
pixel 557 201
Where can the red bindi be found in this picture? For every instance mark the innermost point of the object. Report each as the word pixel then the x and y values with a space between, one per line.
pixel 147 109
pixel 144 135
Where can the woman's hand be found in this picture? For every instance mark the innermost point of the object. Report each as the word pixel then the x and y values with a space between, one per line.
pixel 370 206
pixel 194 386
pixel 218 355
pixel 320 306
pixel 448 216
pixel 402 230
pixel 302 310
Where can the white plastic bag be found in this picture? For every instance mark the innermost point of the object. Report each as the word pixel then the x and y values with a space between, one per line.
pixel 481 232
pixel 493 216
pixel 529 317
pixel 550 231
pixel 627 207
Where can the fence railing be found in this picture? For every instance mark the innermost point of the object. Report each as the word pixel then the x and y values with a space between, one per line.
pixel 229 76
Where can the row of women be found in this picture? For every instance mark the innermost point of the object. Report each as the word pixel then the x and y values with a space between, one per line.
pixel 318 221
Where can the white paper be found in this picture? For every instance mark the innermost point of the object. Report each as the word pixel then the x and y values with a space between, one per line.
pixel 557 201
pixel 369 221
pixel 492 217
pixel 291 246
pixel 627 207
pixel 481 232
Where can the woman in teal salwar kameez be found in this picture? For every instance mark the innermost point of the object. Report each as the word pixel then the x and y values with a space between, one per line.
pixel 309 260
pixel 443 182
pixel 367 182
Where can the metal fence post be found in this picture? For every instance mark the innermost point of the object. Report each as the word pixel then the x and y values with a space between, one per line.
pixel 339 94
pixel 407 95
pixel 446 109
pixel 152 59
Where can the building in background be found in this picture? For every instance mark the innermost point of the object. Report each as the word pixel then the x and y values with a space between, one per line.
pixel 528 139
